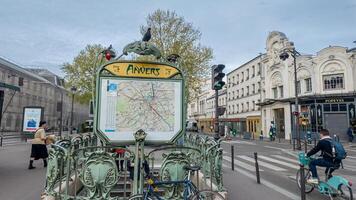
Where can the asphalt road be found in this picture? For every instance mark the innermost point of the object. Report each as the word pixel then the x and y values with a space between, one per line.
pixel 278 164
pixel 16 181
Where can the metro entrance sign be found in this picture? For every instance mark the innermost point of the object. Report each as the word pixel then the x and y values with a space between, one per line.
pixel 134 96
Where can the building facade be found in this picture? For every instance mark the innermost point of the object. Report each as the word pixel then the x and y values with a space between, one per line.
pixel 37 88
pixel 326 84
pixel 202 108
pixel 243 93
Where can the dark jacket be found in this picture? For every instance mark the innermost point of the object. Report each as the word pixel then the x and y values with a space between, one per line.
pixel 324 145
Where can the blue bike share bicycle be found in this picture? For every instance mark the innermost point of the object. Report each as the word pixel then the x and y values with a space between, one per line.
pixel 335 187
pixel 191 192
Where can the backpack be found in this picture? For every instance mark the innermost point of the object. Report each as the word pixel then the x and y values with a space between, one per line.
pixel 338 150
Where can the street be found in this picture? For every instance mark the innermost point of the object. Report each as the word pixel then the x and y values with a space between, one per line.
pixel 278 166
pixel 16 181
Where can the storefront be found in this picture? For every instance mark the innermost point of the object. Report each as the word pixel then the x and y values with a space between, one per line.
pixel 253 125
pixel 333 113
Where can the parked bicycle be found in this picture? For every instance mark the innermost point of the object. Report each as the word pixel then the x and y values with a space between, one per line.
pixel 191 192
pixel 335 187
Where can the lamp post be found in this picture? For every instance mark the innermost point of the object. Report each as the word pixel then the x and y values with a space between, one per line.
pixel 294 53
pixel 73 89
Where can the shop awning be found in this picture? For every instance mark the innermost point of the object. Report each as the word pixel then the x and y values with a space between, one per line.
pixel 8 86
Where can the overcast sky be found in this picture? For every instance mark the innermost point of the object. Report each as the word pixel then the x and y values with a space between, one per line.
pixel 47 33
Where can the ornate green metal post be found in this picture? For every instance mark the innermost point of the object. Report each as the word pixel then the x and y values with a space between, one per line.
pixel 140 136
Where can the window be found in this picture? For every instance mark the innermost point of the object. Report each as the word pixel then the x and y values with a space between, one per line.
pixel 242 77
pixel 281 91
pixel 259 69
pixel 274 92
pixel 242 92
pixel 298 87
pixel 342 107
pixel 233 95
pixel 242 107
pixel 237 108
pixel 335 81
pixel 229 82
pixel 247 90
pixel 247 106
pixel 247 74
pixel 233 109
pixel 253 71
pixel 237 94
pixel 20 81
pixel 334 107
pixel 229 96
pixel 308 85
pixel 326 107
pixel 238 79
pixel 253 88
pixel 233 80
pixel 253 105
pixel 229 109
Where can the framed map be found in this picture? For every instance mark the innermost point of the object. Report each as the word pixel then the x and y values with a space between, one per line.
pixel 127 105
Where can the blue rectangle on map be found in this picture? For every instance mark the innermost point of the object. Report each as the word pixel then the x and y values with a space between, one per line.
pixel 109 130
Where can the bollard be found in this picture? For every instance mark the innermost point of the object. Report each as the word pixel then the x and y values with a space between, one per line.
pixel 305 146
pixel 302 182
pixel 257 169
pixel 232 158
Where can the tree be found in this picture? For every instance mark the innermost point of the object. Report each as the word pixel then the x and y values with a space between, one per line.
pixel 173 35
pixel 81 72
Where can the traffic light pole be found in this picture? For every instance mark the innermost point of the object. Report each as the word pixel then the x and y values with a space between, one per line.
pixel 216 121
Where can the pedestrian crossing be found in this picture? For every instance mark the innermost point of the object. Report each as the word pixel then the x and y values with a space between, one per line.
pixel 277 162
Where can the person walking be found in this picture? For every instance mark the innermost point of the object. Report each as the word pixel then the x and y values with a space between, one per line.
pixel 38 148
pixel 350 134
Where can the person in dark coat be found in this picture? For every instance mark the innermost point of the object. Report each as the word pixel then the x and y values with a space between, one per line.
pixel 324 145
pixel 38 147
pixel 350 134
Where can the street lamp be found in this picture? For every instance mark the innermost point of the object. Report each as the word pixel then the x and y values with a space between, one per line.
pixel 73 89
pixel 284 56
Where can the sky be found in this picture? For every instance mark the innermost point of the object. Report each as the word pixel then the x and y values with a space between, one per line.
pixel 48 33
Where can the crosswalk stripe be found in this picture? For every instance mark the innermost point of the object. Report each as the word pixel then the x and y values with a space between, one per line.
pixel 261 163
pixel 241 164
pixel 286 159
pixel 269 184
pixel 278 162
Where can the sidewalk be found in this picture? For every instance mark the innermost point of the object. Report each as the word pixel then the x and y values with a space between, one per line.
pixel 16 181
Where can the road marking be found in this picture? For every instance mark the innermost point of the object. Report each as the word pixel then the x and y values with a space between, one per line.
pixel 270 147
pixel 240 164
pixel 268 184
pixel 278 162
pixel 286 159
pixel 238 142
pixel 261 163
pixel 351 157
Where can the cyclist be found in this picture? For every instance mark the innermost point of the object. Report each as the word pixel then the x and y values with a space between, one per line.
pixel 324 145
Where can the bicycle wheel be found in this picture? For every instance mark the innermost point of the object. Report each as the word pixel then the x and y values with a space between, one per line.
pixel 345 192
pixel 307 174
pixel 207 195
pixel 139 197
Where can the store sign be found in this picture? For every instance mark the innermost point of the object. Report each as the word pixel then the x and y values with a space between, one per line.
pixel 334 100
pixel 142 70
pixel 31 118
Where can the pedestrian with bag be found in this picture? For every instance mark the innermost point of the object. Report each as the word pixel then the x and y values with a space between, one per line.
pixel 38 147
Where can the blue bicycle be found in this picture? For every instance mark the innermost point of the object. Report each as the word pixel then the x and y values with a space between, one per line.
pixel 191 192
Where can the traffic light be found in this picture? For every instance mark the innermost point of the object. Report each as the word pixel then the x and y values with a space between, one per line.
pixel 216 77
pixel 109 53
pixel 221 110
